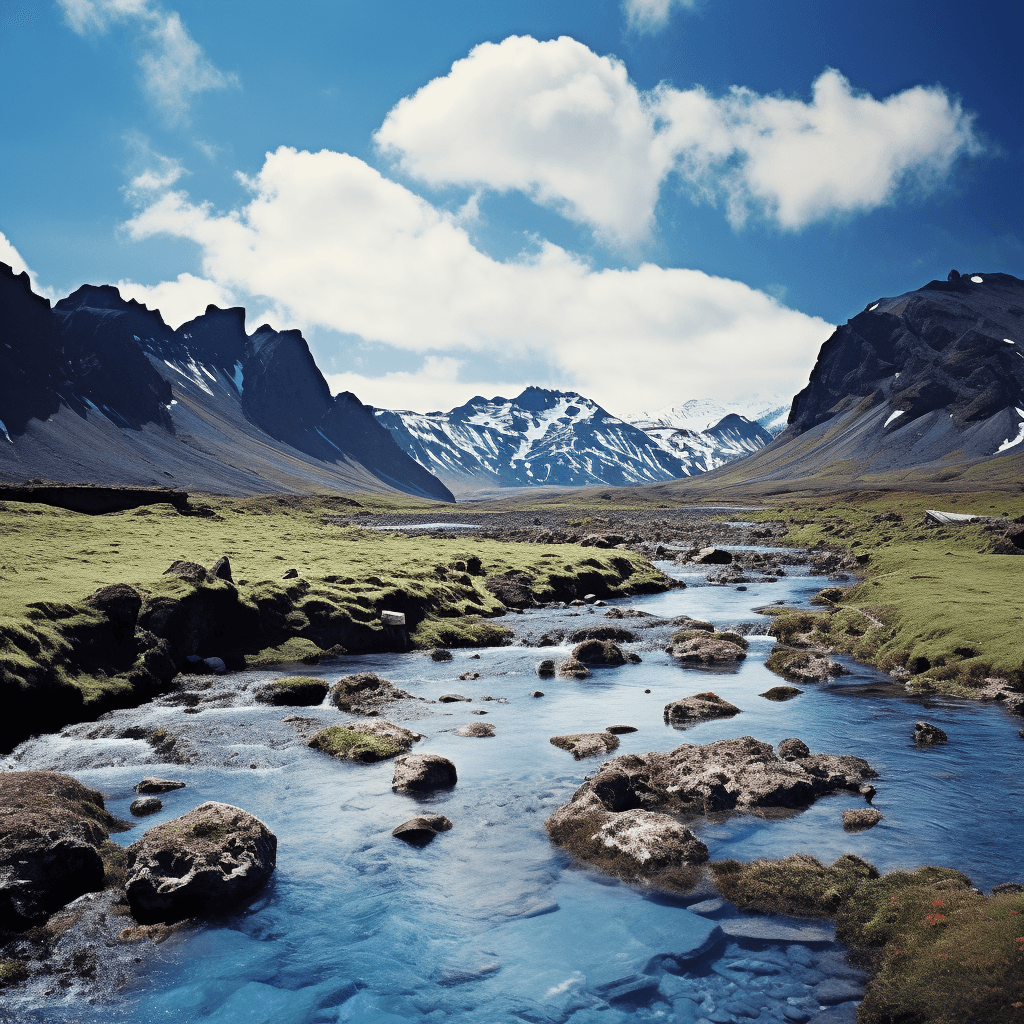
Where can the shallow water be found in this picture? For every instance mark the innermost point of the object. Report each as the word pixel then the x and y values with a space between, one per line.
pixel 490 922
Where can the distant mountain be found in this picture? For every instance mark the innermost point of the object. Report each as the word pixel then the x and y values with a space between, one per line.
pixel 922 382
pixel 99 389
pixel 557 437
pixel 705 449
pixel 701 414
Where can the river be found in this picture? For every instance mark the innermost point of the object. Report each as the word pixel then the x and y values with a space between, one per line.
pixel 490 922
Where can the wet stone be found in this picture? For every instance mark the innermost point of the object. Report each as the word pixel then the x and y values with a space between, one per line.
pixel 154 785
pixel 145 805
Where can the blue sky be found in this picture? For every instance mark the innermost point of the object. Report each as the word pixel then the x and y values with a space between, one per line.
pixel 646 200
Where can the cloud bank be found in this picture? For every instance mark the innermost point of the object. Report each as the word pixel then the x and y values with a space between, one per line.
pixel 333 243
pixel 569 129
pixel 174 67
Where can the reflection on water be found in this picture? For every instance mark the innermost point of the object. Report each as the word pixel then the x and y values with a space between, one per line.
pixel 490 922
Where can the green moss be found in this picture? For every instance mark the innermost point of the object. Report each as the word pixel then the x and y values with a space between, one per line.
pixel 12 972
pixel 211 831
pixel 294 690
pixel 353 745
pixel 467 631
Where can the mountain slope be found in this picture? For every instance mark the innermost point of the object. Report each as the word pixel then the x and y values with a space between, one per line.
pixel 909 388
pixel 701 414
pixel 102 390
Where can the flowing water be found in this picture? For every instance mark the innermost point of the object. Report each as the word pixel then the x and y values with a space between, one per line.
pixel 490 922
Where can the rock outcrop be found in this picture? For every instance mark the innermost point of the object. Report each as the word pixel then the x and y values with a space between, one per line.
pixel 199 865
pixel 52 829
pixel 926 734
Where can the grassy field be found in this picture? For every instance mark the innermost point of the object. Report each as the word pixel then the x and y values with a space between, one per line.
pixel 952 611
pixel 53 559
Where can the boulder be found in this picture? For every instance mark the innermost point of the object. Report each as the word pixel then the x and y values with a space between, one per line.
pixel 421 830
pixel 51 831
pixel 781 693
pixel 651 840
pixel 793 749
pixel 440 654
pixel 925 734
pixel 120 604
pixel 290 574
pixel 860 820
pixel 478 730
pixel 802 666
pixel 453 698
pixel 370 742
pixel 146 805
pixel 201 864
pixel 599 652
pixel 713 556
pixel 573 669
pixel 191 572
pixel 707 649
pixel 546 668
pixel 155 785
pixel 700 707
pixel 365 693
pixel 469 676
pixel 616 633
pixel 586 744
pixel 619 730
pixel 215 665
pixel 221 570
pixel 293 691
pixel 423 773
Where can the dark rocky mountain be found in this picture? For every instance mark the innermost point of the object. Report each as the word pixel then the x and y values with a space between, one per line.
pixel 919 382
pixel 100 389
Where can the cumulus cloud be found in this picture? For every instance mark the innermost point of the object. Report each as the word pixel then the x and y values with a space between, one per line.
pixel 10 255
pixel 569 129
pixel 651 15
pixel 335 244
pixel 180 300
pixel 173 64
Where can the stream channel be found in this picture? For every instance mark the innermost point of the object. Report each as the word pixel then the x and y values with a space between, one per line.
pixel 491 922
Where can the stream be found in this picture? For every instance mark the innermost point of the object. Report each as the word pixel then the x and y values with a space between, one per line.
pixel 491 922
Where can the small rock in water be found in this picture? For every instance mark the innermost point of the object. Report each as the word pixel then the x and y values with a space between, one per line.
pixel 926 734
pixel 453 698
pixel 423 773
pixel 421 830
pixel 537 693
pixel 868 792
pixel 586 744
pixel 440 654
pixel 698 708
pixel 153 785
pixel 546 668
pixel 215 665
pixel 478 711
pixel 145 805
pixel 620 730
pixel 469 675
pixel 477 730
pixel 571 668
pixel 780 693
pixel 858 821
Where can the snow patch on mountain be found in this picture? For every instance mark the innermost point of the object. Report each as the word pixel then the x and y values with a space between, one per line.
pixel 700 414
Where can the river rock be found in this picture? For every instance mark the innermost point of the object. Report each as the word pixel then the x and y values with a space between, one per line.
pixel 651 840
pixel 421 830
pixel 713 556
pixel 198 865
pixel 546 668
pixel 51 831
pixel 154 785
pixel 586 744
pixel 145 806
pixel 766 929
pixel 293 691
pixel 601 652
pixel 707 649
pixel 620 730
pixel 860 820
pixel 573 669
pixel 440 654
pixel 453 698
pixel 479 730
pixel 699 708
pixel 423 773
pixel 803 666
pixel 791 749
pixel 617 633
pixel 781 693
pixel 925 734
pixel 367 743
pixel 365 693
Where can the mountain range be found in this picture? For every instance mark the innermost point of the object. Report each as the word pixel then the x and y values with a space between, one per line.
pixel 98 389
pixel 559 438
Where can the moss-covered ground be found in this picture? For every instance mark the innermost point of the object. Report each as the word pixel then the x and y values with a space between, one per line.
pixel 936 601
pixel 52 559
pixel 940 952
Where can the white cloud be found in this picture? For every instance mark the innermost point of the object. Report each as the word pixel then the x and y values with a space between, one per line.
pixel 651 15
pixel 151 172
pixel 567 127
pixel 330 241
pixel 174 66
pixel 13 258
pixel 180 300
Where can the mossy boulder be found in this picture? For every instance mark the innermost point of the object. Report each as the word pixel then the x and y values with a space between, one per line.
pixel 372 741
pixel 365 693
pixel 601 652
pixel 696 647
pixel 293 691
pixel 802 666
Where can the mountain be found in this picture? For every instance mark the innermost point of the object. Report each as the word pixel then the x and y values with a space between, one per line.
pixel 706 448
pixel 701 414
pixel 908 389
pixel 99 389
pixel 557 437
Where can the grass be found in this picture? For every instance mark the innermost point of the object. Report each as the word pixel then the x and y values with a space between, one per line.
pixel 940 952
pixel 51 559
pixel 950 609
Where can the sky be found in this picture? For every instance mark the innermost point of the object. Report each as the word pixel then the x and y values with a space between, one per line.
pixel 645 201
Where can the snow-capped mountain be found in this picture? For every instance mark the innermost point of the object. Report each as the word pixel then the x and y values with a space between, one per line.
pixel 558 437
pixel 700 414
